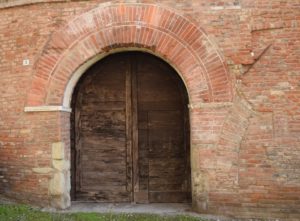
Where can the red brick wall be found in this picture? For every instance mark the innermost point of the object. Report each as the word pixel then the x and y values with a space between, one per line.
pixel 246 155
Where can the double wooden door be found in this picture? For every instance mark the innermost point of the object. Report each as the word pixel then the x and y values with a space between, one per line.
pixel 130 140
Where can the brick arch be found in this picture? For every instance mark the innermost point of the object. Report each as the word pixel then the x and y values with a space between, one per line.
pixel 159 30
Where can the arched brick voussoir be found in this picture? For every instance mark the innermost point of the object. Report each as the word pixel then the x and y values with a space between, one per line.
pixel 162 31
pixel 143 38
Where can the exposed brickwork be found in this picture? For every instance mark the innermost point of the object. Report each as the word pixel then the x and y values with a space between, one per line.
pixel 244 54
pixel 162 31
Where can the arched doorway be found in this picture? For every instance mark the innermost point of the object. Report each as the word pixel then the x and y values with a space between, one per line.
pixel 86 38
pixel 130 132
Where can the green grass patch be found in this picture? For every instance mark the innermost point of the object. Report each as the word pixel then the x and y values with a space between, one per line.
pixel 25 213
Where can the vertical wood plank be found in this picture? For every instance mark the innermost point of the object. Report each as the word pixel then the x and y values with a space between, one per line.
pixel 135 129
pixel 129 127
pixel 78 142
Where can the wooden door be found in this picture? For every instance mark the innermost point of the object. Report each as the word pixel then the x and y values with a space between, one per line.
pixel 163 146
pixel 100 134
pixel 130 132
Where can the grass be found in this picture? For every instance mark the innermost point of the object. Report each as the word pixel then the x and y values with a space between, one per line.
pixel 25 213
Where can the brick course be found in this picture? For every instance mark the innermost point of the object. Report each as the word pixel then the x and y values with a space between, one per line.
pixel 240 60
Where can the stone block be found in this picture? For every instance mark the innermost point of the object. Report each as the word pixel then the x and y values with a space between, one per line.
pixel 42 170
pixel 57 184
pixel 58 151
pixel 61 165
pixel 68 182
pixel 61 202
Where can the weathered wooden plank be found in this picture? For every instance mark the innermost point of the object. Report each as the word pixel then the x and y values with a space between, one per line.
pixel 95 105
pixel 94 139
pixel 135 144
pixel 143 163
pixel 103 196
pixel 169 197
pixel 162 149
pixel 129 118
pixel 101 123
pixel 169 186
pixel 106 188
pixel 155 106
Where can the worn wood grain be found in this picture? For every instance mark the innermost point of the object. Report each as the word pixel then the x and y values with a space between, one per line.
pixel 101 133
pixel 130 139
pixel 163 151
